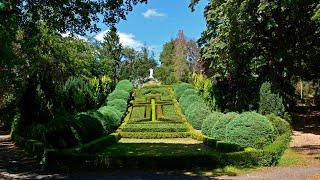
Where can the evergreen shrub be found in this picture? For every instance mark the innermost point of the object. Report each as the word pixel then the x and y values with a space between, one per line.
pixel 196 116
pixel 118 104
pixel 185 101
pixel 280 125
pixel 180 88
pixel 269 101
pixel 209 121
pixel 218 129
pixel 118 94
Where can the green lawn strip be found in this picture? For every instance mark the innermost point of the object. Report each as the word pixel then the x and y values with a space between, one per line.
pixel 154 135
pixel 138 112
pixel 154 127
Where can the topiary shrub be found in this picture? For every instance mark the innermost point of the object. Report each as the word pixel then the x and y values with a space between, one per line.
pixel 112 116
pixel 185 101
pixel 270 102
pixel 280 125
pixel 89 126
pixel 180 88
pixel 124 85
pixel 197 116
pixel 118 104
pixel 189 92
pixel 218 130
pixel 118 94
pixel 250 129
pixel 208 123
pixel 196 104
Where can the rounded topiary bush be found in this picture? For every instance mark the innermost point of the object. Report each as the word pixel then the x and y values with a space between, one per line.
pixel 218 130
pixel 89 125
pixel 250 129
pixel 118 104
pixel 280 125
pixel 125 85
pixel 197 116
pixel 196 104
pixel 118 94
pixel 112 116
pixel 185 101
pixel 189 92
pixel 209 121
pixel 180 88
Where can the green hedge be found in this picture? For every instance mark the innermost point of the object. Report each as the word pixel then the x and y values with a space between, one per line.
pixel 151 127
pixel 180 88
pixel 154 135
pixel 119 104
pixel 209 122
pixel 281 126
pixel 118 94
pixel 218 130
pixel 270 102
pixel 89 126
pixel 196 116
pixel 124 85
pixel 250 129
pixel 185 101
pixel 112 117
pixel 189 92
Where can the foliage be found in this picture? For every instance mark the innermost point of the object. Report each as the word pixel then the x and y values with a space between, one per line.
pixel 89 126
pixel 118 94
pixel 197 116
pixel 180 88
pixel 154 135
pixel 241 45
pixel 280 125
pixel 188 92
pixel 186 100
pixel 270 102
pixel 125 85
pixel 206 88
pixel 118 104
pixel 154 127
pixel 210 121
pixel 165 71
pixel 112 117
pixel 218 130
pixel 250 129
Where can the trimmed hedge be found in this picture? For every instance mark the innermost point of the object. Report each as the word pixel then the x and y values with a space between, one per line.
pixel 118 104
pixel 124 85
pixel 218 130
pixel 250 129
pixel 157 127
pixel 189 92
pixel 89 126
pixel 180 88
pixel 118 94
pixel 185 101
pixel 196 116
pixel 209 122
pixel 280 125
pixel 154 135
pixel 112 117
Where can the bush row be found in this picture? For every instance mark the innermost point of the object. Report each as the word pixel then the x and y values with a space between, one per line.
pixel 151 127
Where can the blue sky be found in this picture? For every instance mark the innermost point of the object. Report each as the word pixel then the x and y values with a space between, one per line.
pixel 157 22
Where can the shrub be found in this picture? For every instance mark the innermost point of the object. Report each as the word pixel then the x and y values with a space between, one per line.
pixel 196 116
pixel 112 116
pixel 89 126
pixel 218 130
pixel 189 92
pixel 270 102
pixel 185 101
pixel 124 85
pixel 250 129
pixel 208 123
pixel 195 104
pixel 118 104
pixel 280 125
pixel 180 88
pixel 118 94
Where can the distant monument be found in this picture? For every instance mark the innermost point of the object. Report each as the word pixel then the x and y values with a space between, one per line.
pixel 151 74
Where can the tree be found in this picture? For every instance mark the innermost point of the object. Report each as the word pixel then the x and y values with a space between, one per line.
pixel 165 71
pixel 249 42
pixel 111 53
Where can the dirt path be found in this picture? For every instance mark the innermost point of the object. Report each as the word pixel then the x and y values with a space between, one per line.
pixel 15 164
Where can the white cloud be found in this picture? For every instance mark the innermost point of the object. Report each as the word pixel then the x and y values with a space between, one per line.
pixel 67 34
pixel 152 13
pixel 126 39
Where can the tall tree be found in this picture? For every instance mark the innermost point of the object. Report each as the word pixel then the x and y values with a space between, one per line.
pixel 248 42
pixel 165 71
pixel 180 58
pixel 111 52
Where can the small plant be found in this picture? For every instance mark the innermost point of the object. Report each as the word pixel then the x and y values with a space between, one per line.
pixel 250 129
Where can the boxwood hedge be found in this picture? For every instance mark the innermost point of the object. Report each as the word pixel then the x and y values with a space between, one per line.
pixel 218 129
pixel 180 88
pixel 280 125
pixel 118 104
pixel 118 94
pixel 185 101
pixel 112 116
pixel 210 120
pixel 250 129
pixel 196 116
pixel 188 92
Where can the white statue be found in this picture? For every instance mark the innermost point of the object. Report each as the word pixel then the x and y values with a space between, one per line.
pixel 151 73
